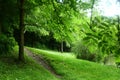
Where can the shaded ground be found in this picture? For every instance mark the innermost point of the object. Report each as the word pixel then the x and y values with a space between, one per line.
pixel 40 60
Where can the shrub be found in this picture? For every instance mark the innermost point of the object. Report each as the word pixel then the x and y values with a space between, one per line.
pixel 6 44
pixel 82 52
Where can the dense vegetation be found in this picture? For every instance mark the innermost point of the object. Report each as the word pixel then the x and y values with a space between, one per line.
pixel 65 65
pixel 74 26
pixel 58 25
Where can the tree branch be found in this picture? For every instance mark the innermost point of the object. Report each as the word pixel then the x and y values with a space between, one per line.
pixel 32 24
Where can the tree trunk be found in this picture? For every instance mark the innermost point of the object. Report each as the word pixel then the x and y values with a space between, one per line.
pixel 91 17
pixel 0 28
pixel 118 28
pixel 118 34
pixel 21 27
pixel 62 47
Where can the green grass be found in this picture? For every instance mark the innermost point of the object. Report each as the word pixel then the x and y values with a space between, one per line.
pixel 70 68
pixel 11 69
pixel 64 64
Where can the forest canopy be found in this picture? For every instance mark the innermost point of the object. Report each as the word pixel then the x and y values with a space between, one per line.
pixel 61 25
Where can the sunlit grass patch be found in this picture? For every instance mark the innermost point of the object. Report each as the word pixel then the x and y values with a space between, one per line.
pixel 71 68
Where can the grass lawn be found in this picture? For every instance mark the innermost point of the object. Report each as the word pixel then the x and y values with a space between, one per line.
pixel 11 69
pixel 70 68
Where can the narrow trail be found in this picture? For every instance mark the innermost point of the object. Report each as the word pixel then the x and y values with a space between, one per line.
pixel 40 60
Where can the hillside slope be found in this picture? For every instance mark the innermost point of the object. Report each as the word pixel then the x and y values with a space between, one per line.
pixel 11 69
pixel 70 68
pixel 64 65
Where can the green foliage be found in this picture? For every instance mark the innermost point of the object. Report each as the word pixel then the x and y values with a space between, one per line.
pixel 70 68
pixel 39 45
pixel 6 44
pixel 38 31
pixel 84 5
pixel 82 52
pixel 102 35
pixel 62 17
pixel 55 17
pixel 8 21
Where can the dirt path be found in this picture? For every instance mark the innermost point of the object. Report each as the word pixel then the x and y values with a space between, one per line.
pixel 40 60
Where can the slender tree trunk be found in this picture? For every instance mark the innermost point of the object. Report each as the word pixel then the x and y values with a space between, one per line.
pixel 62 47
pixel 21 27
pixel 0 28
pixel 91 17
pixel 118 28
pixel 118 34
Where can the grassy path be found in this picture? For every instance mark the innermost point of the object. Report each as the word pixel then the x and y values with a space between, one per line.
pixel 40 60
pixel 71 68
pixel 12 69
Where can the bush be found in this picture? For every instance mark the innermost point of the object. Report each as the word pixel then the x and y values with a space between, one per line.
pixel 6 44
pixel 82 52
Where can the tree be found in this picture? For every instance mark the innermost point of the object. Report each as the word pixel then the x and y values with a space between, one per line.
pixel 103 35
pixel 92 8
pixel 22 28
pixel 0 22
pixel 118 34
pixel 63 15
pixel 8 19
pixel 57 20
pixel 118 28
pixel 0 28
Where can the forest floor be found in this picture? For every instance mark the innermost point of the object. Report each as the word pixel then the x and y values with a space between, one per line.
pixel 41 61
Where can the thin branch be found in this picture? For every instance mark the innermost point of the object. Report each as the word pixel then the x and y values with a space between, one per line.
pixel 32 24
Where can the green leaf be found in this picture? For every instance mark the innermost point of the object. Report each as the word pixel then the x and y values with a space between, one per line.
pixel 87 38
pixel 101 26
pixel 97 19
pixel 105 24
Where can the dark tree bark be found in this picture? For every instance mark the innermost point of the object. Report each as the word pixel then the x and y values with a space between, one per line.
pixel 21 27
pixel 0 28
pixel 118 34
pixel 62 47
pixel 118 28
pixel 91 17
